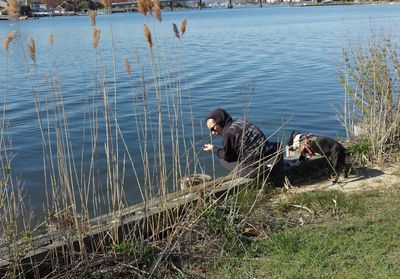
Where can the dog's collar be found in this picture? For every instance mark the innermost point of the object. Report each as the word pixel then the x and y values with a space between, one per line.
pixel 298 139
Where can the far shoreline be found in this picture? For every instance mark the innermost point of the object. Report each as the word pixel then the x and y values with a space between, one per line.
pixel 36 15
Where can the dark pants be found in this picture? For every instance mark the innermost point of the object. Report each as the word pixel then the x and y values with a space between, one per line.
pixel 271 167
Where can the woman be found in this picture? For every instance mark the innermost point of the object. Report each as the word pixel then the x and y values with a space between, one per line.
pixel 244 146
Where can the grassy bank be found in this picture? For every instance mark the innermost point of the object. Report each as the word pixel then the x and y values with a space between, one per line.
pixel 286 234
pixel 361 243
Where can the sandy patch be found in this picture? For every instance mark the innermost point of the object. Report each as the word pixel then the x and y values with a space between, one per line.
pixel 361 179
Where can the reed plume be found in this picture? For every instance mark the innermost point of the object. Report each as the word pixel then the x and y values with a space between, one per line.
pixel 32 49
pixel 142 7
pixel 51 39
pixel 92 17
pixel 157 10
pixel 13 9
pixel 176 31
pixel 106 4
pixel 128 66
pixel 8 40
pixel 147 35
pixel 96 37
pixel 183 26
pixel 150 6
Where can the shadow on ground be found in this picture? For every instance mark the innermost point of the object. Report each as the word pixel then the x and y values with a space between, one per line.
pixel 318 170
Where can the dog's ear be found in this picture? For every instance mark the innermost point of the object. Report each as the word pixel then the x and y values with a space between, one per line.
pixel 291 138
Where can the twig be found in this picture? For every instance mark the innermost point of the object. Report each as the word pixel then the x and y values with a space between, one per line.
pixel 177 269
pixel 303 207
pixel 249 276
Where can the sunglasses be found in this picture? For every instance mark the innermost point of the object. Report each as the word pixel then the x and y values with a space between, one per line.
pixel 212 129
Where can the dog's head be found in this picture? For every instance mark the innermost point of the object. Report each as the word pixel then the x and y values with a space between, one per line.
pixel 294 140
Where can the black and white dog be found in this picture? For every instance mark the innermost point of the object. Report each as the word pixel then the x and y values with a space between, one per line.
pixel 309 145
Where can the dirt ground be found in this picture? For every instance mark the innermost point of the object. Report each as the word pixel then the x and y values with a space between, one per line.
pixel 312 177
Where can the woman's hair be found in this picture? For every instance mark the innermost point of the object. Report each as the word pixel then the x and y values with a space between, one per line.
pixel 221 117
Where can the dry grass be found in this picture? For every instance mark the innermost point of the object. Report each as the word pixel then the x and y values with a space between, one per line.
pixel 370 77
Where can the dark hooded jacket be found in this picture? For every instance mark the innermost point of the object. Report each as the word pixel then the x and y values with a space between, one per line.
pixel 242 141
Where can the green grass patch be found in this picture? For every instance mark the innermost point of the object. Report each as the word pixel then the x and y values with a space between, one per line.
pixel 246 198
pixel 143 254
pixel 361 148
pixel 356 246
pixel 226 226
pixel 324 202
pixel 361 151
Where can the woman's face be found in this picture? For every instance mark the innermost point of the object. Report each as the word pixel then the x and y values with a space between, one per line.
pixel 215 129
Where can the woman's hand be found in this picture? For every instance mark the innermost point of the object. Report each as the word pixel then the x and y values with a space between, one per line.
pixel 210 148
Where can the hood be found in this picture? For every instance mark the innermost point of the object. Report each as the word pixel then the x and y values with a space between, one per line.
pixel 222 118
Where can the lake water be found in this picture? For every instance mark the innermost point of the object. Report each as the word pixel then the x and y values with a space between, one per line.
pixel 282 61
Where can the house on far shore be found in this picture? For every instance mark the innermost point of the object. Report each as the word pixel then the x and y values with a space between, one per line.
pixel 39 8
pixel 3 6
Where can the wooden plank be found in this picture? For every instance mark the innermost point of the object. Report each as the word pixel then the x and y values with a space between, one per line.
pixel 132 218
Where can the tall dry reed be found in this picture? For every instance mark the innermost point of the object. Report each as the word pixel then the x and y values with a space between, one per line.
pixel 183 26
pixel 96 37
pixel 107 5
pixel 142 7
pixel 10 37
pixel 176 31
pixel 157 10
pixel 370 77
pixel 86 193
pixel 128 66
pixel 147 35
pixel 32 49
pixel 51 39
pixel 15 217
pixel 92 16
